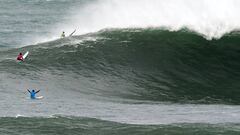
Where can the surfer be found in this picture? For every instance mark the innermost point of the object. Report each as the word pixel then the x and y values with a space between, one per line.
pixel 63 35
pixel 33 93
pixel 20 57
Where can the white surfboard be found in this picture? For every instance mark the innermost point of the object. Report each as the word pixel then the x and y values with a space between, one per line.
pixel 39 97
pixel 25 55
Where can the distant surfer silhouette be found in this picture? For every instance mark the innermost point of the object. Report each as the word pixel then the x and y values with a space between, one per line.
pixel 20 57
pixel 33 93
pixel 63 35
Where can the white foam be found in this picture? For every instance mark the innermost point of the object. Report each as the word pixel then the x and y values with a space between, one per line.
pixel 211 18
pixel 18 115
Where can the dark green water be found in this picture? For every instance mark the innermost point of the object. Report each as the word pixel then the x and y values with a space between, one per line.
pixel 124 71
pixel 85 126
pixel 178 81
pixel 158 65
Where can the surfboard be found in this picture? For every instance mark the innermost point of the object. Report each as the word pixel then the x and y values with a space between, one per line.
pixel 39 97
pixel 72 33
pixel 25 55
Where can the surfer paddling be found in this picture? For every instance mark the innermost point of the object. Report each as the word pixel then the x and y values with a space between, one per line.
pixel 20 57
pixel 33 93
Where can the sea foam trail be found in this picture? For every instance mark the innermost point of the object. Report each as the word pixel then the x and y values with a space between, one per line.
pixel 210 18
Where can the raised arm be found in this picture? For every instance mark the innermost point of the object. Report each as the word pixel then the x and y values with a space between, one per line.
pixel 37 91
pixel 28 90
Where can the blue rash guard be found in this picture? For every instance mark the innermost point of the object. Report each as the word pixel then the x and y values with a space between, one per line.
pixel 33 93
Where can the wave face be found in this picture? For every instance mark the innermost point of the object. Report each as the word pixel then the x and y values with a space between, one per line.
pixel 141 64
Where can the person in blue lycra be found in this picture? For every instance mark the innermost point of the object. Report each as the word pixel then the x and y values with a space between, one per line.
pixel 33 93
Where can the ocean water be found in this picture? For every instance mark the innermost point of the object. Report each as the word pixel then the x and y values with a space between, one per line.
pixel 132 67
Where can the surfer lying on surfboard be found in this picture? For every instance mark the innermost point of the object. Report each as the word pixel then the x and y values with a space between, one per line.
pixel 20 57
pixel 33 93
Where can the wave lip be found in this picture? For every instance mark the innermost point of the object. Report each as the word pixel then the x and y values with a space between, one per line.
pixel 212 19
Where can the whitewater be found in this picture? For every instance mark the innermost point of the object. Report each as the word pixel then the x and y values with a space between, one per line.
pixel 212 19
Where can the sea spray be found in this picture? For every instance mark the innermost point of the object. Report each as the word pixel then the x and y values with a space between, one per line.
pixel 212 19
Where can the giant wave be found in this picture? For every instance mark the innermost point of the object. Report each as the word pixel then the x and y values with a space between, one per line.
pixel 139 64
